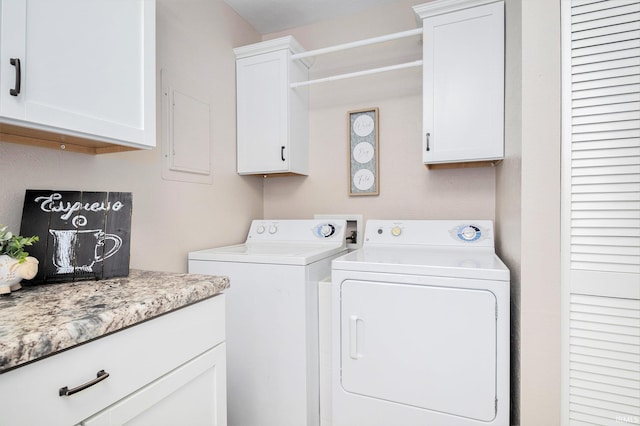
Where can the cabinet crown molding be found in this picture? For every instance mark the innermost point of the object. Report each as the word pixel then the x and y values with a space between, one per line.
pixel 440 7
pixel 282 43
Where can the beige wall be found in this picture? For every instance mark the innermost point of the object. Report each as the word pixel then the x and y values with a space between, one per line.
pixel 508 188
pixel 407 189
pixel 528 207
pixel 540 292
pixel 194 41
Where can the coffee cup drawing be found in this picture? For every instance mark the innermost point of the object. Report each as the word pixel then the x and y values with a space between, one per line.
pixel 79 250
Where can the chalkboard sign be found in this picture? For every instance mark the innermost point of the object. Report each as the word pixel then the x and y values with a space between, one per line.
pixel 83 235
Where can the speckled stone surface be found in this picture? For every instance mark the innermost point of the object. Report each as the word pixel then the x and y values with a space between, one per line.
pixel 41 320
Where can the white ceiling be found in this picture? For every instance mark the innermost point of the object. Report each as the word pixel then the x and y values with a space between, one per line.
pixel 268 16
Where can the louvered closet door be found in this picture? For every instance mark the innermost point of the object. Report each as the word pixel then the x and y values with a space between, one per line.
pixel 601 212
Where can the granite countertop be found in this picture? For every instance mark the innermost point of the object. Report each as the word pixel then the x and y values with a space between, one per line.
pixel 41 320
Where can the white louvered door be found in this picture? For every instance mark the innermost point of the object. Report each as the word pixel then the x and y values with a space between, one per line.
pixel 601 212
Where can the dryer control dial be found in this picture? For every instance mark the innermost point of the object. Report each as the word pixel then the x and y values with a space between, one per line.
pixel 396 231
pixel 260 229
pixel 273 229
pixel 469 233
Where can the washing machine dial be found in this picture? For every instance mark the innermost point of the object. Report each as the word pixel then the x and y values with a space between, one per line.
pixel 396 231
pixel 326 230
pixel 260 229
pixel 273 229
pixel 469 233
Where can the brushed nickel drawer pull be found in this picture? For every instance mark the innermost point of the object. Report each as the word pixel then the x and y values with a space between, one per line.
pixel 65 391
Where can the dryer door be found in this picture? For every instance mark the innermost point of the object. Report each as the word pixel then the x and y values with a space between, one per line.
pixel 430 347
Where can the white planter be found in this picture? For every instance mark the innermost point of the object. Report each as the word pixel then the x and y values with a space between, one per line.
pixel 12 272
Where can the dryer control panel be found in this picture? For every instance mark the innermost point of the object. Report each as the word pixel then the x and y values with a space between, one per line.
pixel 476 233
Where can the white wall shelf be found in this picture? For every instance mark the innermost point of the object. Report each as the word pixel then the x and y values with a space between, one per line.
pixel 357 74
pixel 353 45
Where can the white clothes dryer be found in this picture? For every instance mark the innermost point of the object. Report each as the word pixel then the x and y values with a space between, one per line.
pixel 420 327
pixel 272 317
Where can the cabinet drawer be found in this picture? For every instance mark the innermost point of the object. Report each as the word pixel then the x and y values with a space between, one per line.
pixel 193 393
pixel 133 358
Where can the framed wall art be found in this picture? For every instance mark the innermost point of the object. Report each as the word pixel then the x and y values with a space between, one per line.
pixel 364 178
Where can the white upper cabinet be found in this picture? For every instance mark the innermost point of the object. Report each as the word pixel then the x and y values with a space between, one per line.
pixel 272 118
pixel 463 87
pixel 84 68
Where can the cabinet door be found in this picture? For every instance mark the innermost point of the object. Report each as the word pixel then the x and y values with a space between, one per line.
pixel 193 394
pixel 262 97
pixel 464 85
pixel 87 67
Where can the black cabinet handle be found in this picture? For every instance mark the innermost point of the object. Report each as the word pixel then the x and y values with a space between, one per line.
pixel 282 153
pixel 428 140
pixel 16 63
pixel 65 391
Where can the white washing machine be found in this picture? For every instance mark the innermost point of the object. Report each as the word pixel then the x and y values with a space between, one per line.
pixel 420 327
pixel 272 317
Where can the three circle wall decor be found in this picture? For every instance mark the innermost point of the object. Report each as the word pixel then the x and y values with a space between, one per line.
pixel 363 152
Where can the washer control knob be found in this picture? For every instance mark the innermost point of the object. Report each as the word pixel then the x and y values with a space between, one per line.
pixel 273 229
pixel 260 229
pixel 396 231
pixel 326 230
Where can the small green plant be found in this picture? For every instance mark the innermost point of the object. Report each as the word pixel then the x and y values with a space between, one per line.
pixel 13 245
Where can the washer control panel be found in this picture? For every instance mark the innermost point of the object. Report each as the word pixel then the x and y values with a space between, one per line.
pixel 261 228
pixel 297 230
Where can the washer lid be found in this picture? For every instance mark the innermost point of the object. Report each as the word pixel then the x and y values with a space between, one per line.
pixel 283 242
pixel 475 263
pixel 271 253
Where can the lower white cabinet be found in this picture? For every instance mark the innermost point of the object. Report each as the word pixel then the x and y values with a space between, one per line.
pixel 193 394
pixel 166 371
